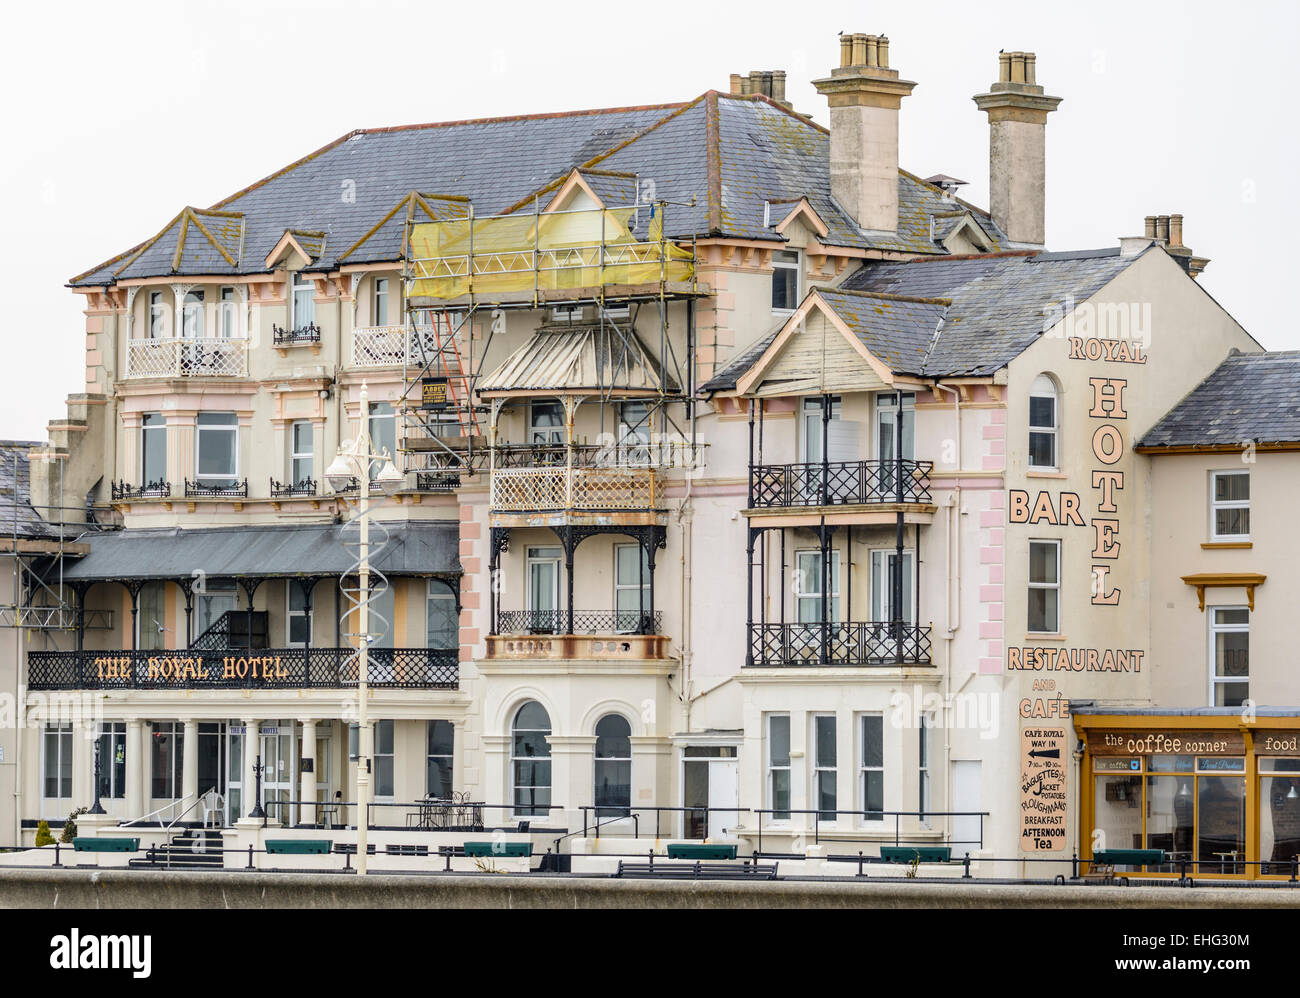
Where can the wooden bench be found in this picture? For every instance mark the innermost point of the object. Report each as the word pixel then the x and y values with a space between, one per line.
pixel 498 849
pixel 698 871
pixel 916 854
pixel 699 850
pixel 1103 862
pixel 84 844
pixel 299 847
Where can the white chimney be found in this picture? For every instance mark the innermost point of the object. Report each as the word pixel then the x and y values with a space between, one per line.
pixel 1017 110
pixel 864 96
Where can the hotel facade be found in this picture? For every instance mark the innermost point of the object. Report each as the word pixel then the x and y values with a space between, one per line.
pixel 752 489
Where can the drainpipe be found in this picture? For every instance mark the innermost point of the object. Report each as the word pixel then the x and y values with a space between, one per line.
pixel 20 711
pixel 952 556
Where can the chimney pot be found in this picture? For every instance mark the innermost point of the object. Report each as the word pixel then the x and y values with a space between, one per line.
pixel 1162 228
pixel 1150 226
pixel 846 49
pixel 778 86
pixel 737 83
pixel 859 50
pixel 872 53
pixel 1030 68
pixel 882 52
pixel 1175 230
pixel 1017 67
pixel 1004 67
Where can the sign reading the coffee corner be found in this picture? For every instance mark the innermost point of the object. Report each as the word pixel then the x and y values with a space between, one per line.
pixel 1130 743
pixel 1043 798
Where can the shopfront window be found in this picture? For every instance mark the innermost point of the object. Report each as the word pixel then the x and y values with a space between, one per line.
pixel 1279 813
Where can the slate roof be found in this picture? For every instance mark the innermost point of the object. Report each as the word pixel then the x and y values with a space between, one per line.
pixel 1250 396
pixel 897 331
pixel 728 153
pixel 996 306
pixel 17 514
pixel 167 553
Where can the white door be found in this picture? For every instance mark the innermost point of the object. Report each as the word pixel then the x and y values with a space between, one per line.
pixel 965 797
pixel 724 792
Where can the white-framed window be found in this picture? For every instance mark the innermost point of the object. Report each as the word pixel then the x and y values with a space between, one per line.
pixel 923 764
pixel 167 759
pixel 1043 424
pixel 546 422
pixel 192 315
pixel 228 317
pixel 631 587
pixel 57 762
pixel 785 280
pixel 1230 505
pixel 442 626
pixel 383 434
pixel 302 443
pixel 612 789
pixel 808 597
pixel 778 766
pixel 151 617
pixel 810 419
pixel 112 760
pixel 887 425
pixel 297 616
pixel 542 567
pixel 157 316
pixel 439 754
pixel 1229 655
pixel 217 449
pixel 883 563
pixel 303 301
pixel 1044 587
pixel 153 448
pixel 380 301
pixel 871 767
pixel 530 760
pixel 384 760
pixel 825 771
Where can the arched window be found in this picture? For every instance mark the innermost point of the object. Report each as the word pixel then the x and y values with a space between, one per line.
pixel 530 759
pixel 613 790
pixel 1043 423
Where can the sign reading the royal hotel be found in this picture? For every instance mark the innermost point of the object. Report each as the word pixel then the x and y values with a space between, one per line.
pixel 189 668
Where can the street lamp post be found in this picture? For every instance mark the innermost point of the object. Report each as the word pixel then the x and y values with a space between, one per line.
pixel 354 461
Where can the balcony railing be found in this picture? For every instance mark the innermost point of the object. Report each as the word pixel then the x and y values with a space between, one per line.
pixel 584 622
pixel 301 336
pixel 205 357
pixel 839 483
pixel 284 490
pixel 269 668
pixel 125 492
pixel 880 643
pixel 559 488
pixel 393 346
pixel 197 490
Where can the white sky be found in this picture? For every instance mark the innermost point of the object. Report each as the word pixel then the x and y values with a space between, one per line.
pixel 118 115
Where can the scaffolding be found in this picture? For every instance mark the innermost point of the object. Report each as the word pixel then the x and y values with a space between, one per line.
pixel 472 269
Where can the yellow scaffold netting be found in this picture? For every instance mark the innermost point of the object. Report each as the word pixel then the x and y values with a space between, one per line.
pixel 511 256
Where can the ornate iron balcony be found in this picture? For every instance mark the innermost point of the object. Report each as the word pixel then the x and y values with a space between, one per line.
pixel 196 490
pixel 125 492
pixel 280 490
pixel 238 668
pixel 299 336
pixel 584 622
pixel 854 643
pixel 839 483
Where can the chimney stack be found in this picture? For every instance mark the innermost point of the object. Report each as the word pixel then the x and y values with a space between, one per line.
pixel 864 96
pixel 1017 110
pixel 769 82
pixel 1167 230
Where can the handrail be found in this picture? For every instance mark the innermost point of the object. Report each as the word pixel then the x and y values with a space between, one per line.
pixel 198 799
pixel 165 807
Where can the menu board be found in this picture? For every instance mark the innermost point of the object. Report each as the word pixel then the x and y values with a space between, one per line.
pixel 1043 802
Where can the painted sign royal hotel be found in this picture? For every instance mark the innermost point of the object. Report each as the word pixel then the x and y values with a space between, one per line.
pixel 682 473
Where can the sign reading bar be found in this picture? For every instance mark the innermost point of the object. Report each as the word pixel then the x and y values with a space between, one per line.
pixel 1042 789
pixel 433 393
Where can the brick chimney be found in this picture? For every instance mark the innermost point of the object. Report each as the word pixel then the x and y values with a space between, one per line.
pixel 1167 230
pixel 769 82
pixel 1017 110
pixel 864 96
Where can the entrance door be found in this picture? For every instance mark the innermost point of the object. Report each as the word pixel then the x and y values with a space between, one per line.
pixel 234 739
pixel 965 797
pixel 710 780
pixel 281 764
pixel 212 760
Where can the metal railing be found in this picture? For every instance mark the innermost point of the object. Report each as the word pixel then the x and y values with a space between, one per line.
pixel 557 488
pixel 818 816
pixel 186 357
pixel 197 490
pixel 397 345
pixel 262 668
pixel 584 622
pixel 839 483
pixel 308 334
pixel 125 492
pixel 882 643
pixel 281 490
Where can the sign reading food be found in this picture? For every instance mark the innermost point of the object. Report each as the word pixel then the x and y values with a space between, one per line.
pixel 1042 789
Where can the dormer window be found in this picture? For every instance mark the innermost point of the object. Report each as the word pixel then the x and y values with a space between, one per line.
pixel 785 280
pixel 304 302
